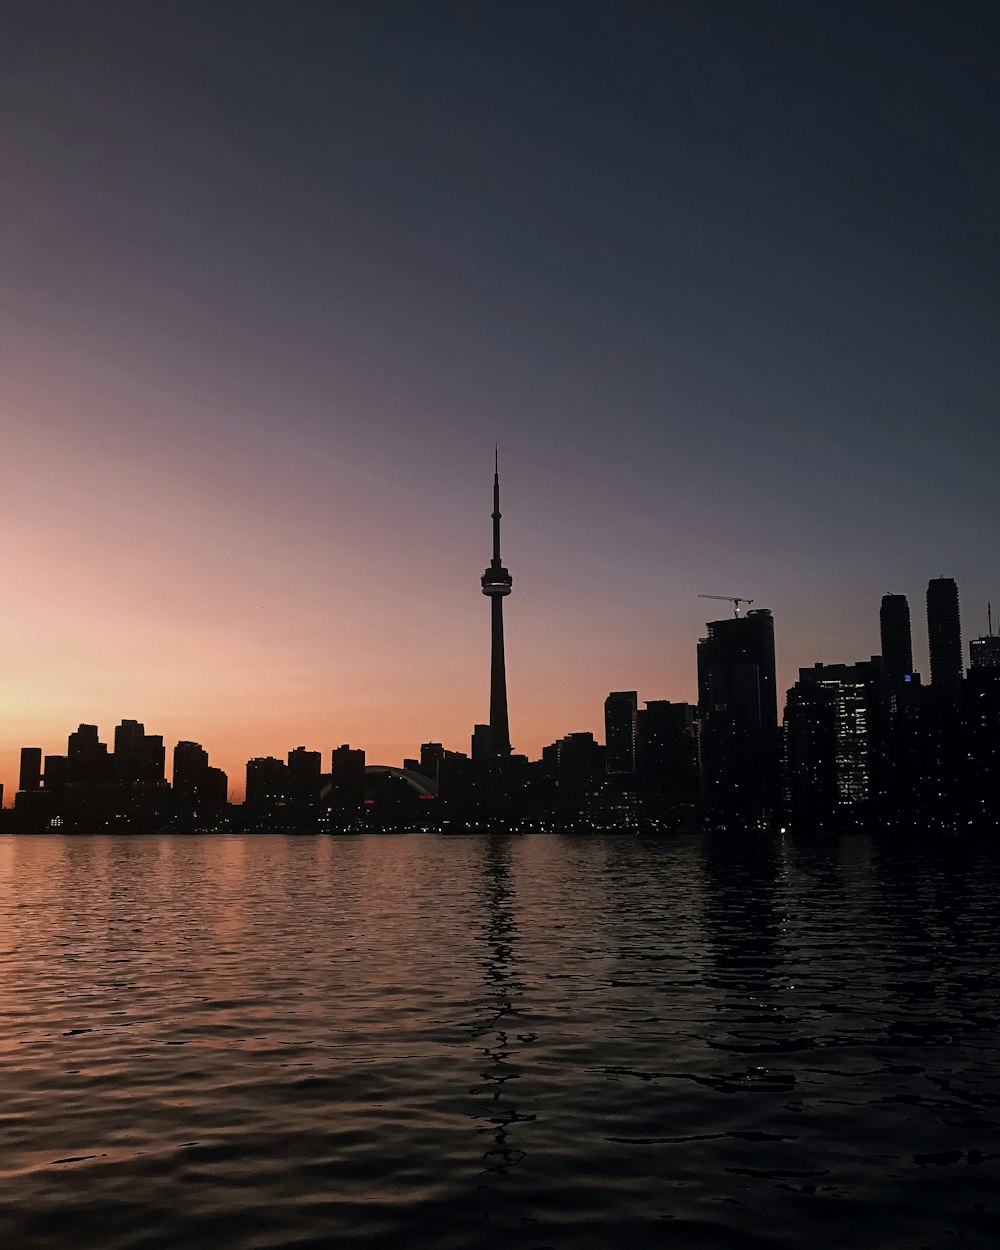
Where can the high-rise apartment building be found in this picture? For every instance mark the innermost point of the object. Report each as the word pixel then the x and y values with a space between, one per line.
pixel 897 644
pixel 267 783
pixel 347 779
pixel 129 755
pixel 190 773
pixel 304 776
pixel 620 711
pixel 944 635
pixel 31 769
pixel 832 740
pixel 86 757
pixel 738 718
pixel 985 652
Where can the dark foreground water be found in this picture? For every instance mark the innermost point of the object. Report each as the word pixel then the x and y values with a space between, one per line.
pixel 490 1042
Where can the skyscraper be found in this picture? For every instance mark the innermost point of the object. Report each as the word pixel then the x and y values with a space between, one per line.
pixel 496 584
pixel 190 772
pixel 738 713
pixel 897 647
pixel 31 769
pixel 832 742
pixel 304 776
pixel 347 779
pixel 944 634
pixel 620 711
pixel 984 652
pixel 129 751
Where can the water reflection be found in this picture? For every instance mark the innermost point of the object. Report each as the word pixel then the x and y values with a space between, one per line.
pixel 496 1030
pixel 460 1044
pixel 743 927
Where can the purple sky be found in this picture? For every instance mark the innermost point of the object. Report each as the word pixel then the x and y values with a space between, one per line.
pixel 720 278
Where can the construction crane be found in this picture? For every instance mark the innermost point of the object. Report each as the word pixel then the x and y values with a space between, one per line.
pixel 735 600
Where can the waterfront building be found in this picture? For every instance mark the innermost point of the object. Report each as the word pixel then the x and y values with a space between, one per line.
pixel 944 635
pixel 738 720
pixel 620 712
pixel 30 777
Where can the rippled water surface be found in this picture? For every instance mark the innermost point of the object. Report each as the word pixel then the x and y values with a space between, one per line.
pixel 487 1041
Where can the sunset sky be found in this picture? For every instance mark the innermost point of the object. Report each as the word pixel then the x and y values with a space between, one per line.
pixel 720 278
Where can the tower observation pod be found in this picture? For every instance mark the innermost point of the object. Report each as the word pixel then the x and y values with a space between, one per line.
pixel 496 583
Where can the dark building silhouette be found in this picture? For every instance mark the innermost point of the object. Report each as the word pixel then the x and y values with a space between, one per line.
pixel 832 742
pixel 738 719
pixel 56 774
pixel 87 757
pixel 484 765
pixel 897 644
pixel 199 791
pixel 940 766
pixel 666 754
pixel 576 766
pixel 347 779
pixel 216 789
pixel 984 652
pixel 190 773
pixel 810 756
pixel 431 755
pixel 154 758
pixel 267 784
pixel 496 585
pixel 31 769
pixel 981 722
pixel 620 711
pixel 304 777
pixel 944 635
pixel 901 708
pixel 456 786
pixel 130 752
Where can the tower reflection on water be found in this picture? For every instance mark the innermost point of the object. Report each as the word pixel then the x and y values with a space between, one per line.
pixel 496 1031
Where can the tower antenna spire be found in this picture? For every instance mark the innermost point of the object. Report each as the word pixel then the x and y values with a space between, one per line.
pixel 496 584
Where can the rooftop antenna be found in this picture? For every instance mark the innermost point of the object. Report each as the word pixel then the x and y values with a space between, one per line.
pixel 989 618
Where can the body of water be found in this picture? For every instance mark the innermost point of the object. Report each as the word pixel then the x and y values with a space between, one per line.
pixel 464 1042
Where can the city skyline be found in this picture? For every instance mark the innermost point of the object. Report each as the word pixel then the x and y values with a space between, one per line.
pixel 721 282
pixel 896 655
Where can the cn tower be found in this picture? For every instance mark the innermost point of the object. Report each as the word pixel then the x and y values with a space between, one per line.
pixel 496 583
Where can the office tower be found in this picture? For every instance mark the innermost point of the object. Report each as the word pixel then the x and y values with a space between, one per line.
pixel 484 755
pixel 347 779
pixel 31 769
pixel 810 756
pixel 738 720
pixel 897 646
pixel 304 776
pixel 431 756
pixel 981 724
pixel 56 774
pixel 944 634
pixel 154 760
pixel 216 789
pixel 833 747
pixel 579 763
pixel 496 584
pixel 666 750
pixel 129 751
pixel 190 770
pixel 267 783
pixel 985 652
pixel 86 756
pixel 620 709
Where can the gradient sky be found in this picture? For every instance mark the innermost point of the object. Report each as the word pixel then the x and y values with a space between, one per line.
pixel 720 277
